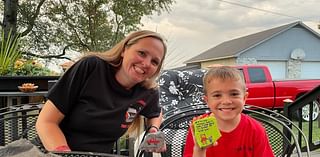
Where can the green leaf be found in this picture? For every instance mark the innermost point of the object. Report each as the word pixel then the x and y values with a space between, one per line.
pixel 9 52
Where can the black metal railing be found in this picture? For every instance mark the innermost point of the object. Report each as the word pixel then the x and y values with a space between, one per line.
pixel 304 106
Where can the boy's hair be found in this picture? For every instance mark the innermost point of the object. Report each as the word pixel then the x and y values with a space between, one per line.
pixel 224 73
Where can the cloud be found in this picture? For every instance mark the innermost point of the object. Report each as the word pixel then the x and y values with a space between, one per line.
pixel 195 26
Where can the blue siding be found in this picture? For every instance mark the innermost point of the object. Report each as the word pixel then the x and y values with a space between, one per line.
pixel 281 46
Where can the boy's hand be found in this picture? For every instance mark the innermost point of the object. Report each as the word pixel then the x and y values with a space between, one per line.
pixel 196 146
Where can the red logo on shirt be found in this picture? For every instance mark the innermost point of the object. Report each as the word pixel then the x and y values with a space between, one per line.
pixel 132 112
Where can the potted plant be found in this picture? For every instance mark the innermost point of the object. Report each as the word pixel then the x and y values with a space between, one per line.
pixel 16 70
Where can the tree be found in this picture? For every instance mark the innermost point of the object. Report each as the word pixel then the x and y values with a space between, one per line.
pixel 10 18
pixel 10 12
pixel 82 25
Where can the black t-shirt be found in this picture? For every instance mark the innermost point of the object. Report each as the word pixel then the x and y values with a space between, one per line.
pixel 97 109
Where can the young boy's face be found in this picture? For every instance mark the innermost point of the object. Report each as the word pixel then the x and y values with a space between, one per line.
pixel 225 98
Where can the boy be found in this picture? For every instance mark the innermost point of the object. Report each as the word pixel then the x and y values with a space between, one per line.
pixel 242 136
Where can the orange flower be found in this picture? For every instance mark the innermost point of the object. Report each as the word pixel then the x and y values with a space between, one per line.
pixel 34 62
pixel 18 64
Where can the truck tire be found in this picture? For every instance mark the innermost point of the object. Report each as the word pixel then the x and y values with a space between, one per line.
pixel 305 111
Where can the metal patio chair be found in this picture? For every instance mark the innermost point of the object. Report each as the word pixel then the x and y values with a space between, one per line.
pixel 176 127
pixel 18 122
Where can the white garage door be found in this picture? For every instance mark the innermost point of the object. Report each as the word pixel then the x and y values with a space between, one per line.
pixel 310 70
pixel 277 69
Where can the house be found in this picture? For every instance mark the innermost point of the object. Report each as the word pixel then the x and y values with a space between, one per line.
pixel 290 51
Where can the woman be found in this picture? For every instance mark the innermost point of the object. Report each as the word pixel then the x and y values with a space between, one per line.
pixel 98 98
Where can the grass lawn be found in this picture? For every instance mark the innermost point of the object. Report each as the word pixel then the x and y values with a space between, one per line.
pixel 315 132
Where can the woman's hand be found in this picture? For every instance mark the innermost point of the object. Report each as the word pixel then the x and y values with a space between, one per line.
pixel 63 148
pixel 154 129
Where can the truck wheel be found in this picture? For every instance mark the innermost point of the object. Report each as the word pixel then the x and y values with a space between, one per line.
pixel 315 113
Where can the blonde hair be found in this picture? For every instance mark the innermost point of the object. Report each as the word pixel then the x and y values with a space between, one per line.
pixel 223 73
pixel 113 56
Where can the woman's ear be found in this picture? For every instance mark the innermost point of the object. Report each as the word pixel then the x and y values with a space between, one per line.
pixel 122 53
pixel 124 50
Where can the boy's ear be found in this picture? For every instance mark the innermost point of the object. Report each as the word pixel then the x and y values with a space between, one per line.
pixel 205 98
pixel 246 94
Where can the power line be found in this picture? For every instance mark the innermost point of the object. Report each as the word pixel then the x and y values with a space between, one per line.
pixel 263 10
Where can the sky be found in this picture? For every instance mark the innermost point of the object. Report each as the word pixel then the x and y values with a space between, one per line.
pixel 193 26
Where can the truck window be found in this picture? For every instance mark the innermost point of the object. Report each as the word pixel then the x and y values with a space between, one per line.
pixel 256 75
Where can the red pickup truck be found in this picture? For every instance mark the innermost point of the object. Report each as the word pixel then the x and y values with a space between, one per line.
pixel 268 93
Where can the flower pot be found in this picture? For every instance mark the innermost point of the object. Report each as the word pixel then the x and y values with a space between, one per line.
pixel 11 83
